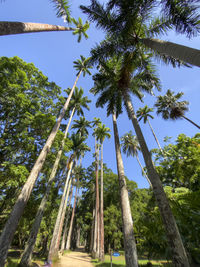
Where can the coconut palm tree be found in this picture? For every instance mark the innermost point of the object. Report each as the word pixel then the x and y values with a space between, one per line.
pixel 144 113
pixel 120 78
pixel 78 146
pixel 11 225
pixel 101 133
pixel 170 108
pixel 128 25
pixel 81 125
pixel 77 103
pixel 130 147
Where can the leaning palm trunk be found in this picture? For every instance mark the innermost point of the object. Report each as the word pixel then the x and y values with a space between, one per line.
pixel 179 256
pixel 129 239
pixel 15 27
pixel 27 254
pixel 143 172
pixel 53 247
pixel 11 225
pixel 191 121
pixel 181 52
pixel 68 244
pixel 66 221
pixel 101 240
pixel 155 137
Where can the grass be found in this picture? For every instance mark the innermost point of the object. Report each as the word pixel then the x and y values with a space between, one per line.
pixel 120 262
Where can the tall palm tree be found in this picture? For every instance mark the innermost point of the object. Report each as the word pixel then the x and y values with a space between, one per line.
pixel 129 25
pixel 11 225
pixel 170 108
pixel 101 133
pixel 144 113
pixel 106 84
pixel 78 146
pixel 131 147
pixel 81 125
pixel 121 78
pixel 77 103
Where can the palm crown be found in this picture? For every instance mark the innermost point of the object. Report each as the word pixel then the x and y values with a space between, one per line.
pixel 130 144
pixel 102 132
pixel 83 65
pixel 81 125
pixel 144 113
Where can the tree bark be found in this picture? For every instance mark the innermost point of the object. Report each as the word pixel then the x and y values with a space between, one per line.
pixel 11 225
pixel 129 239
pixel 66 221
pixel 68 244
pixel 53 251
pixel 179 255
pixel 93 222
pixel 15 27
pixel 155 137
pixel 191 121
pixel 143 170
pixel 101 245
pixel 27 254
pixel 181 52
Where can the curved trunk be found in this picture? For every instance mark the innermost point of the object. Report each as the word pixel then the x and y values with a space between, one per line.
pixel 27 254
pixel 191 121
pixel 181 52
pixel 143 172
pixel 53 247
pixel 68 244
pixel 66 221
pixel 179 256
pixel 15 27
pixel 101 241
pixel 11 225
pixel 155 136
pixel 129 239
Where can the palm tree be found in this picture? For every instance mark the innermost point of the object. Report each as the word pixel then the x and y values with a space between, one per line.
pixel 77 103
pixel 11 225
pixel 78 146
pixel 101 133
pixel 131 147
pixel 81 125
pixel 117 80
pixel 144 113
pixel 170 108
pixel 128 25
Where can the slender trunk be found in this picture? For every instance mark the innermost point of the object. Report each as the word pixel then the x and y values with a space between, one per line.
pixel 101 253
pixel 191 121
pixel 143 172
pixel 97 204
pixel 15 27
pixel 27 254
pixel 93 222
pixel 66 221
pixel 177 51
pixel 155 136
pixel 129 239
pixel 68 245
pixel 78 236
pixel 179 256
pixel 11 225
pixel 53 250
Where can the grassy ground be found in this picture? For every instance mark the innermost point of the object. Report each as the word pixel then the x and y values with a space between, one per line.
pixel 120 262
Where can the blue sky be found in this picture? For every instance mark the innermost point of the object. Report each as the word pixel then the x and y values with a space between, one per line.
pixel 54 52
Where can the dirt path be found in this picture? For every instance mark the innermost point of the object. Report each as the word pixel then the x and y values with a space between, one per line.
pixel 75 259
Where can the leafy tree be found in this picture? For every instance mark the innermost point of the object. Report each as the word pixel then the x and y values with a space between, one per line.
pixel 81 125
pixel 170 108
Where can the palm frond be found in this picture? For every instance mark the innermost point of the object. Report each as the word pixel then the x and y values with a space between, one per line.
pixel 62 9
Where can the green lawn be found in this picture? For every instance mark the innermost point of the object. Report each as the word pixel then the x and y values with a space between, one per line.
pixel 120 262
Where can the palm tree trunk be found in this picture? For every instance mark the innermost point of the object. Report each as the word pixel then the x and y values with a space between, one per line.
pixel 68 244
pixel 143 172
pixel 191 121
pixel 27 254
pixel 155 136
pixel 179 256
pixel 93 222
pixel 129 239
pixel 53 247
pixel 101 245
pixel 66 221
pixel 11 225
pixel 181 52
pixel 15 27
